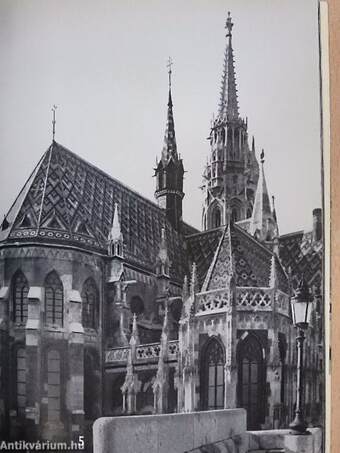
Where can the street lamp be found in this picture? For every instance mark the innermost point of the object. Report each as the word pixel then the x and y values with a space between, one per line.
pixel 302 305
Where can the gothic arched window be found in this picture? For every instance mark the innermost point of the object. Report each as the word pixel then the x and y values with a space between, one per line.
pixel 19 296
pixel 21 381
pixel 251 379
pixel 90 300
pixel 234 215
pixel 53 386
pixel 216 218
pixel 137 305
pixel 54 299
pixel 213 361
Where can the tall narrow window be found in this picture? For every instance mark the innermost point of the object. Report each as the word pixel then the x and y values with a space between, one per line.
pixel 213 376
pixel 89 297
pixel 19 296
pixel 216 218
pixel 21 381
pixel 54 299
pixel 53 385
pixel 251 380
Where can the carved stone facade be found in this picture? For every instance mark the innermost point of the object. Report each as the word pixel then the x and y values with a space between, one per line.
pixel 110 304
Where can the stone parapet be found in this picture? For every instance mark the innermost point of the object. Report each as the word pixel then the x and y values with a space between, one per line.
pixel 175 433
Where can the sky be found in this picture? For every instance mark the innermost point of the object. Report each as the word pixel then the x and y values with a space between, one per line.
pixel 103 63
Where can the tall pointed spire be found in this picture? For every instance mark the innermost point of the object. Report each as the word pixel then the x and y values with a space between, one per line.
pixel 170 145
pixel 228 106
pixel 262 222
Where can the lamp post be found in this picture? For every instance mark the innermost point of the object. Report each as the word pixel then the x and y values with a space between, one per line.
pixel 301 304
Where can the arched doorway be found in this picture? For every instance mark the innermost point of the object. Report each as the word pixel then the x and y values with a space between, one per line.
pixel 251 380
pixel 212 375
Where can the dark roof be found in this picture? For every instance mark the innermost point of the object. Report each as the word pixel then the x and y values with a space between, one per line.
pixel 68 201
pixel 252 262
pixel 201 249
pixel 303 256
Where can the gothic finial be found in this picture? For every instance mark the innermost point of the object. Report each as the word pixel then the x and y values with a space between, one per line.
pixel 169 66
pixel 134 334
pixel 193 282
pixel 54 108
pixel 229 25
pixel 262 156
pixel 185 289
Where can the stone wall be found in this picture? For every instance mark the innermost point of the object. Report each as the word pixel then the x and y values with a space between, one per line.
pixel 175 433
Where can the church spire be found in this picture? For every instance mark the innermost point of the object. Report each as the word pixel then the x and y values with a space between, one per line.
pixel 170 145
pixel 169 170
pixel 228 106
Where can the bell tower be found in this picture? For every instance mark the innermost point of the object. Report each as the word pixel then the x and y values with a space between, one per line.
pixel 169 170
pixel 231 173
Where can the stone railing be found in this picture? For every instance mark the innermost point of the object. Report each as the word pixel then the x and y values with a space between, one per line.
pixel 144 352
pixel 210 302
pixel 116 355
pixel 252 298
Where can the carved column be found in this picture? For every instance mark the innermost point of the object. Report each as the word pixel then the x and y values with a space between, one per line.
pixel 75 401
pixel 33 362
pixel 4 361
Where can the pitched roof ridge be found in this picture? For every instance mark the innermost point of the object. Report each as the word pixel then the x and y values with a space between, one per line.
pixel 26 186
pixel 294 233
pixel 243 231
pixel 221 228
pixel 50 150
pixel 213 262
pixel 107 175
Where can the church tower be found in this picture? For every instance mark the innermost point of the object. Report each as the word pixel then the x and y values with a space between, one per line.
pixel 231 173
pixel 169 170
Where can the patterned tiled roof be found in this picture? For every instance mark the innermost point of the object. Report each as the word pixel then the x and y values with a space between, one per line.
pixel 251 260
pixel 303 256
pixel 201 249
pixel 68 201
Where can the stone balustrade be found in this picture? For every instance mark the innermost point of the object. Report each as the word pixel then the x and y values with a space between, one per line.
pixel 215 301
pixel 254 299
pixel 144 352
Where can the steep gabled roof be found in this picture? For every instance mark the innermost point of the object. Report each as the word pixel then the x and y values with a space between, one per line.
pixel 68 201
pixel 222 252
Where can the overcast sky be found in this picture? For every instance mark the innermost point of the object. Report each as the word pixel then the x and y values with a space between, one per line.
pixel 104 64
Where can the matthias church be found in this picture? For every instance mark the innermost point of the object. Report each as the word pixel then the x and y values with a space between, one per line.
pixel 111 304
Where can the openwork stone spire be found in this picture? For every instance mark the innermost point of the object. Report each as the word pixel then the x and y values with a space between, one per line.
pixel 170 145
pixel 228 106
pixel 263 225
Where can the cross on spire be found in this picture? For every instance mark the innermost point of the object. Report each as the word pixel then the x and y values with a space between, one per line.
pixel 229 25
pixel 169 65
pixel 54 108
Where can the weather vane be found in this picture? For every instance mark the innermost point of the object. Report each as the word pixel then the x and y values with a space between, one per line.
pixel 54 108
pixel 169 65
